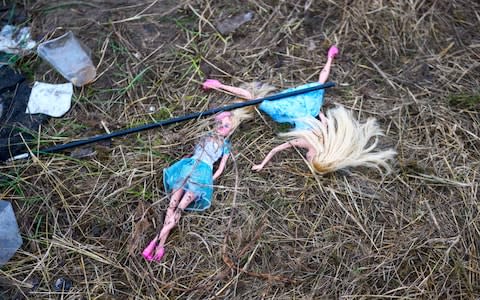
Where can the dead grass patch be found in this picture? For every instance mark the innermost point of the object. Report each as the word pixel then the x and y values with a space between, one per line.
pixel 282 233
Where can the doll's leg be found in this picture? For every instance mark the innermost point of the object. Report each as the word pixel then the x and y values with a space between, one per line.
pixel 170 221
pixel 169 218
pixel 187 198
pixel 332 52
pixel 172 206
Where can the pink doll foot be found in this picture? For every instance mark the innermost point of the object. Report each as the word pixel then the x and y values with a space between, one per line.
pixel 147 253
pixel 332 52
pixel 159 254
pixel 211 84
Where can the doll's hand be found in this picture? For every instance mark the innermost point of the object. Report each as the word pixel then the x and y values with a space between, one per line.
pixel 211 84
pixel 257 167
pixel 332 52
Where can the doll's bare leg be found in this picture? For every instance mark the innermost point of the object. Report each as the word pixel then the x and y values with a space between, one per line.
pixel 332 52
pixel 169 218
pixel 187 198
pixel 170 221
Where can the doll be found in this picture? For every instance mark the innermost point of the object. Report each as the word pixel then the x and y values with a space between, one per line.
pixel 332 142
pixel 190 180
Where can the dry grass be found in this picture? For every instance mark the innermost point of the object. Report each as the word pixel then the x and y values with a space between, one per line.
pixel 282 233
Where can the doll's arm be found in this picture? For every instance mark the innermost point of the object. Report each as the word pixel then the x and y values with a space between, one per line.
pixel 323 119
pixel 297 143
pixel 332 52
pixel 215 84
pixel 221 166
pixel 271 154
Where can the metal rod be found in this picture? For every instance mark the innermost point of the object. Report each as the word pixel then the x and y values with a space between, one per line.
pixel 212 111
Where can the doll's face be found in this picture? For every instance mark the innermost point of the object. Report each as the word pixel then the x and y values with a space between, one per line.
pixel 224 126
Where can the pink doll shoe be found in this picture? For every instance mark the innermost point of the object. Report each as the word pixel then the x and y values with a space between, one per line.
pixel 147 253
pixel 211 84
pixel 332 52
pixel 159 254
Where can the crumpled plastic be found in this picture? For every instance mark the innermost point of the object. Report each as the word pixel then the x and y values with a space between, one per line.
pixel 10 239
pixel 14 40
pixel 50 99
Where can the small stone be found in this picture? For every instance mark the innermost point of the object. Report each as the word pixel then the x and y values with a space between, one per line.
pixel 83 152
pixel 62 284
pixel 311 46
pixel 231 24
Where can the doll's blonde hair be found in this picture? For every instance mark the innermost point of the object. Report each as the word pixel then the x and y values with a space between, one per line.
pixel 238 116
pixel 257 90
pixel 344 143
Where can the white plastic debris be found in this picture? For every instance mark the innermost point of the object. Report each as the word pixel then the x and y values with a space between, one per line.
pixel 10 239
pixel 15 40
pixel 50 99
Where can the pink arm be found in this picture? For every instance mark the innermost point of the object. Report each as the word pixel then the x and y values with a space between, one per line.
pixel 323 119
pixel 215 84
pixel 237 91
pixel 297 143
pixel 332 52
pixel 221 166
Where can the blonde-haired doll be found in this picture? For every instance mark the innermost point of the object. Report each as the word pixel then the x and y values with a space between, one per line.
pixel 333 142
pixel 190 180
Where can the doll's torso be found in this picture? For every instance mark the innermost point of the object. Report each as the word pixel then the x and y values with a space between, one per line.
pixel 210 149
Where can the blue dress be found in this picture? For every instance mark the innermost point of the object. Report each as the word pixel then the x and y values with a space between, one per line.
pixel 290 109
pixel 195 174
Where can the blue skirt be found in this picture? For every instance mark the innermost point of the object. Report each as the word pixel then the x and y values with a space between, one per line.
pixel 191 175
pixel 288 109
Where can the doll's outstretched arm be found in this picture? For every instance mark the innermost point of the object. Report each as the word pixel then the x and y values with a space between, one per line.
pixel 297 143
pixel 215 84
pixel 270 155
pixel 221 166
pixel 332 52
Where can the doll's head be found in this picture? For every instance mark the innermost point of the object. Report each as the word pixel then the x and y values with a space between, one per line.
pixel 344 142
pixel 226 122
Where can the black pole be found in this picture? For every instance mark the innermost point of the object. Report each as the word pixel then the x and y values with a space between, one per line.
pixel 212 111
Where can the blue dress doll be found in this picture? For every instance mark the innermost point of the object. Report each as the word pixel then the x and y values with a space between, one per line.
pixel 334 142
pixel 190 180
pixel 292 109
pixel 195 174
